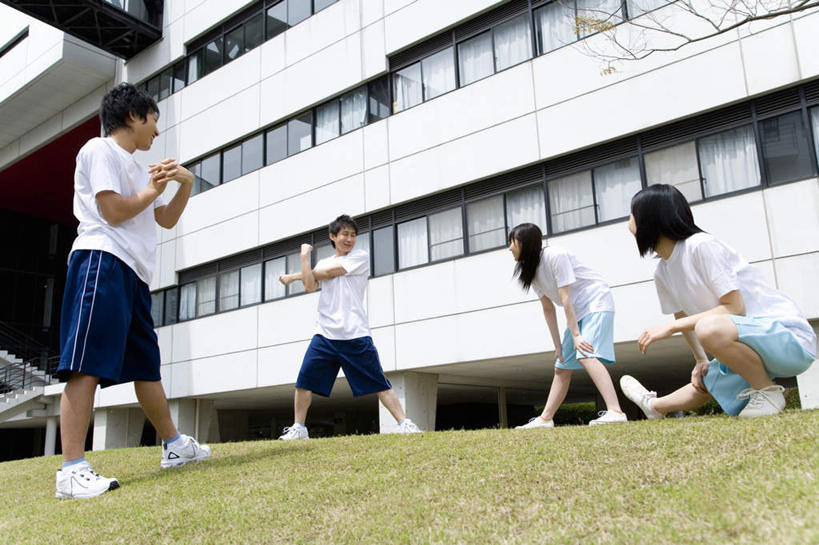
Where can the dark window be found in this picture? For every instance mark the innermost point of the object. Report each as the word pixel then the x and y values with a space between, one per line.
pixel 276 144
pixel 165 83
pixel 300 133
pixel 195 67
pixel 786 148
pixel 298 11
pixel 379 99
pixel 157 307
pixel 213 55
pixel 234 43
pixel 252 153
pixel 211 167
pixel 254 31
pixel 179 76
pixel 171 305
pixel 153 87
pixel 384 251
pixel 277 19
pixel 232 163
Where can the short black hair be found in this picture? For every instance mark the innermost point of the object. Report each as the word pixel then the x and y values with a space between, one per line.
pixel 661 210
pixel 342 221
pixel 120 102
pixel 530 238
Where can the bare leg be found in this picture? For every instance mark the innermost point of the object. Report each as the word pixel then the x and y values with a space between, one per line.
pixel 686 398
pixel 602 380
pixel 301 402
pixel 390 401
pixel 151 396
pixel 557 392
pixel 76 405
pixel 719 336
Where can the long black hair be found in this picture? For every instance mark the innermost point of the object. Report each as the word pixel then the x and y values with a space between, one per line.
pixel 530 239
pixel 661 210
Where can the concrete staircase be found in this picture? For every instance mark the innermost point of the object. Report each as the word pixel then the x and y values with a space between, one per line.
pixel 20 383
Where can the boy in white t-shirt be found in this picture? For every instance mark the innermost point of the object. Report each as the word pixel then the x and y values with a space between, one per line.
pixel 342 338
pixel 106 331
pixel 722 305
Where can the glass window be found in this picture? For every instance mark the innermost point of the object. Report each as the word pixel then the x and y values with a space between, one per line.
pixel 300 133
pixel 571 201
pixel 325 249
pixel 321 4
pixel 165 83
pixel 276 144
pixel 814 116
pixel 153 87
pixel 475 60
pixel 379 99
pixel 639 7
pixel 196 67
pixel 232 163
pixel 362 242
pixel 187 301
pixel 513 42
pixel 211 167
pixel 276 19
pixel 179 71
pixel 251 284
pixel 412 243
pixel 157 307
pixel 728 161
pixel 213 55
pixel 439 73
pixel 555 25
pixel 294 266
pixel 675 166
pixel 254 31
pixel 786 148
pixel 484 223
pixel 273 269
pixel 234 43
pixel 406 88
pixel 615 184
pixel 228 290
pixel 446 234
pixel 196 170
pixel 171 305
pixel 206 300
pixel 298 11
pixel 327 122
pixel 596 15
pixel 383 251
pixel 526 206
pixel 252 153
pixel 353 110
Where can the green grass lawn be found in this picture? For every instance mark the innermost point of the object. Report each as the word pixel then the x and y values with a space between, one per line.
pixel 708 479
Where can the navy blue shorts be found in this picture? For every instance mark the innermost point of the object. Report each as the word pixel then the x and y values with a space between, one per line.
pixel 357 357
pixel 106 329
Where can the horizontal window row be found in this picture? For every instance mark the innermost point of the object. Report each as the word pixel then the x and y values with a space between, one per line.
pixel 257 24
pixel 707 166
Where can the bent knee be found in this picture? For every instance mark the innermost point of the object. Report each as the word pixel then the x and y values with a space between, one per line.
pixel 715 331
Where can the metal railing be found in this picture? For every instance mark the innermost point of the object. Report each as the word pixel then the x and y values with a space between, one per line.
pixel 37 367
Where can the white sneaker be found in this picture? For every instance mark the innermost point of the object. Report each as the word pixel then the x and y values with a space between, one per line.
pixel 80 481
pixel 765 402
pixel 185 449
pixel 641 397
pixel 294 432
pixel 408 426
pixel 609 417
pixel 536 422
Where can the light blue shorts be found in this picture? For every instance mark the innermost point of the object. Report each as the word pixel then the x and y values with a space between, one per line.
pixel 777 346
pixel 598 329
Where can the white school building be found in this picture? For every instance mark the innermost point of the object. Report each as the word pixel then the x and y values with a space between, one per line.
pixel 438 125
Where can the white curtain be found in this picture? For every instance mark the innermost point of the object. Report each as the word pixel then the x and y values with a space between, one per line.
pixel 251 280
pixel 598 11
pixel 571 201
pixel 446 234
pixel 513 42
pixel 526 206
pixel 439 73
pixel 475 58
pixel 407 90
pixel 324 250
pixel 555 25
pixel 383 251
pixel 228 290
pixel 206 291
pixel 484 223
pixel 273 269
pixel 326 122
pixel 676 166
pixel 729 161
pixel 615 184
pixel 187 301
pixel 353 110
pixel 294 266
pixel 412 243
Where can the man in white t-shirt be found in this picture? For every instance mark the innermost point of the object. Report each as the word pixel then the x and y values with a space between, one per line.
pixel 106 331
pixel 342 338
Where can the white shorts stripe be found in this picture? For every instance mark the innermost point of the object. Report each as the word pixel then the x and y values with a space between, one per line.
pixel 91 310
pixel 79 313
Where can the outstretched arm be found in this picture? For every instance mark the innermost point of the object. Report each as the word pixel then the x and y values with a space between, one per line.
pixel 311 277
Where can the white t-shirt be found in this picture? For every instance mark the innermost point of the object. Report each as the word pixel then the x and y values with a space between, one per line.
pixel 701 269
pixel 559 268
pixel 102 165
pixel 341 314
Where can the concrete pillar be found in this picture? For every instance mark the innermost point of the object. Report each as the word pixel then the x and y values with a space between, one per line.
pixel 51 436
pixel 418 394
pixel 808 384
pixel 183 414
pixel 117 428
pixel 207 427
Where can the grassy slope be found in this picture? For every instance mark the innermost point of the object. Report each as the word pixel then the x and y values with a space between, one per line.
pixel 696 480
